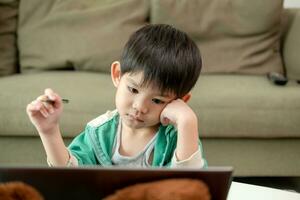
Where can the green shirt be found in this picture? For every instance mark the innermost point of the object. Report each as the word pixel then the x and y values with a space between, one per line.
pixel 95 144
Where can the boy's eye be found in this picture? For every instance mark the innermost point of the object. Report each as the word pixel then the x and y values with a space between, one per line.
pixel 132 90
pixel 157 101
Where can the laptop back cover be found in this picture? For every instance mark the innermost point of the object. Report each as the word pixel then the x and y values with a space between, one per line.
pixel 96 183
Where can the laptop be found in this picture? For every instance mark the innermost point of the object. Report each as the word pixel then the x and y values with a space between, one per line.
pixel 98 182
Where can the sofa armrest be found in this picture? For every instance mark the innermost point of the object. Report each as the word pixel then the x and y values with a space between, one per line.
pixel 291 43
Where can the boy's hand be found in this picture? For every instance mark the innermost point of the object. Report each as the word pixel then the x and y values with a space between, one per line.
pixel 177 112
pixel 45 115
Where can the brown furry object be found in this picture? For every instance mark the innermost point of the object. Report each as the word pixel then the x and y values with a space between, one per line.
pixel 18 191
pixel 169 189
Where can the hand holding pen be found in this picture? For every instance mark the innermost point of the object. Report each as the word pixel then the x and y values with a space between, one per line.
pixel 45 111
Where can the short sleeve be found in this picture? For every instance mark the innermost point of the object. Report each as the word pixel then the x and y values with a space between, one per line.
pixel 81 148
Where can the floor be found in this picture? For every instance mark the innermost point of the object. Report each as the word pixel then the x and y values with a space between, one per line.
pixel 284 183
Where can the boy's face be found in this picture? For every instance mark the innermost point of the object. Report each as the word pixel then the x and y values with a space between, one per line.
pixel 139 106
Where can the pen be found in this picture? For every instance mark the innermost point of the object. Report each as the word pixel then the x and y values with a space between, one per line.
pixel 52 102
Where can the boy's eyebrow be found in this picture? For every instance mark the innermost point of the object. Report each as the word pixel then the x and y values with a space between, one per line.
pixel 166 97
pixel 132 81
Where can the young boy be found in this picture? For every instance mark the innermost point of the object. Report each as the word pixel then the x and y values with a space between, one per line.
pixel 152 124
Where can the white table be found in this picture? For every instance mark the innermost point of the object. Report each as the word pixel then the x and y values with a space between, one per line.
pixel 242 191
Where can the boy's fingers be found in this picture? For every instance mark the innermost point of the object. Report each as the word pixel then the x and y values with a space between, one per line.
pixel 42 98
pixel 50 94
pixel 30 108
pixel 44 112
pixel 48 106
pixel 37 107
pixel 33 107
pixel 165 121
pixel 53 97
pixel 42 106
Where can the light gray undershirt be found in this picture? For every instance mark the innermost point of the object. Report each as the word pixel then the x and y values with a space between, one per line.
pixel 140 160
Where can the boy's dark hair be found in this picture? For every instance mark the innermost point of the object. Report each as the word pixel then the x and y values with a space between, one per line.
pixel 168 58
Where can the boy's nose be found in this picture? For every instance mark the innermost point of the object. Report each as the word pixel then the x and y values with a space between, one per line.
pixel 140 105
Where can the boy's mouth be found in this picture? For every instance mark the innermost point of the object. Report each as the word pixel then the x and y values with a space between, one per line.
pixel 135 118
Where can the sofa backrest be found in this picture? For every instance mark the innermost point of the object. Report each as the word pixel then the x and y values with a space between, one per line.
pixel 8 39
pixel 235 36
pixel 84 35
pixel 291 43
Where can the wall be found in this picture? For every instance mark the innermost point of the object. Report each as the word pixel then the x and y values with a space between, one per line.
pixel 292 3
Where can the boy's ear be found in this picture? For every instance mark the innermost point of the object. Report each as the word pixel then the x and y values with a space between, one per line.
pixel 115 72
pixel 187 97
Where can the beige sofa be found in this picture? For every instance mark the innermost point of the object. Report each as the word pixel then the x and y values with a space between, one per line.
pixel 245 120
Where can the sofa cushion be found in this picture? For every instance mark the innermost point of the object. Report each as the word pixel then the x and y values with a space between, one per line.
pixel 90 94
pixel 291 47
pixel 234 36
pixel 8 37
pixel 227 105
pixel 86 35
pixel 246 106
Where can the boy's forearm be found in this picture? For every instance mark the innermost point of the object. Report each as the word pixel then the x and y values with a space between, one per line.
pixel 187 143
pixel 57 153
